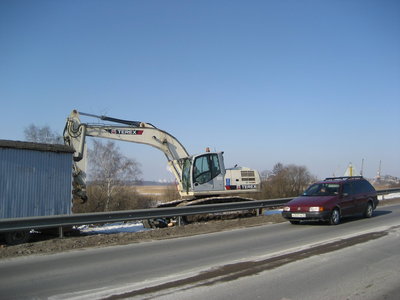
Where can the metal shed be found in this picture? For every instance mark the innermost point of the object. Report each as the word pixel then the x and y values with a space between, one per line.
pixel 35 179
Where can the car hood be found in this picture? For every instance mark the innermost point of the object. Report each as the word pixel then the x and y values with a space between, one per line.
pixel 311 200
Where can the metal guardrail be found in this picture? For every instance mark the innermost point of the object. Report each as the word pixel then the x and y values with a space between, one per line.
pixel 17 224
pixel 388 191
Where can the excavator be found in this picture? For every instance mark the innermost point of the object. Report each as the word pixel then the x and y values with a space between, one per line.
pixel 201 178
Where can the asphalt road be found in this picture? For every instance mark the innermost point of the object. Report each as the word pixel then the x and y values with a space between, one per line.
pixel 357 259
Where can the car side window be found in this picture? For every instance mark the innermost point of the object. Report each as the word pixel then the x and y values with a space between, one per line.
pixel 358 187
pixel 367 187
pixel 363 187
pixel 347 188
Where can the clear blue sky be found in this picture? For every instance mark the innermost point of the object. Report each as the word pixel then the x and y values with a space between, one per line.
pixel 308 82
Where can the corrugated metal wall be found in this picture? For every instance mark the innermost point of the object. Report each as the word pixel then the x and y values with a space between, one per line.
pixel 35 183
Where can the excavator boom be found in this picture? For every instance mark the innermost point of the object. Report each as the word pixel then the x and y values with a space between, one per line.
pixel 75 134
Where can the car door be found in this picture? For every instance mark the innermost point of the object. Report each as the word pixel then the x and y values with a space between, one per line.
pixel 360 196
pixel 347 201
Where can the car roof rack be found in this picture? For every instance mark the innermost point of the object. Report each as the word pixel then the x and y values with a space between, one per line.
pixel 344 178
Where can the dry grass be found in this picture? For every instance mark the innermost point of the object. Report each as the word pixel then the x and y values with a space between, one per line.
pixel 151 189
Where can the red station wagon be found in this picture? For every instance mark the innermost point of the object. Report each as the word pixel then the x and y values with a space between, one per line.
pixel 331 199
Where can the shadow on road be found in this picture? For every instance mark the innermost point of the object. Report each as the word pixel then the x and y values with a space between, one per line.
pixel 379 213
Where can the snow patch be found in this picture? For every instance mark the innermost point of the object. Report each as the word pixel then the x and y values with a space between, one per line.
pixel 272 212
pixel 110 228
pixel 389 196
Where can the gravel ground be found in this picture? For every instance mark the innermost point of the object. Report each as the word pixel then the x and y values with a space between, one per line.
pixel 46 245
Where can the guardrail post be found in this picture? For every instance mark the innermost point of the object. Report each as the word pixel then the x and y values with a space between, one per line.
pixel 60 232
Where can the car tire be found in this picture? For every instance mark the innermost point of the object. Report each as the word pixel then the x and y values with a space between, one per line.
pixel 335 217
pixel 369 210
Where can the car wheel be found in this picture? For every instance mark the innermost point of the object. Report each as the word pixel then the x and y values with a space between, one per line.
pixel 335 217
pixel 368 210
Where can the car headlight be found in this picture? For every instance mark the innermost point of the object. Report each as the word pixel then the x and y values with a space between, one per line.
pixel 316 208
pixel 286 208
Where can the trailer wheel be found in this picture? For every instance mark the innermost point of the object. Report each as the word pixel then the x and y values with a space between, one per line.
pixel 17 237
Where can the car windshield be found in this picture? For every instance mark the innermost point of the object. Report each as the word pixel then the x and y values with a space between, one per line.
pixel 322 189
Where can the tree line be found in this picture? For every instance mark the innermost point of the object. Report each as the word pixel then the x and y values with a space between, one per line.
pixel 109 171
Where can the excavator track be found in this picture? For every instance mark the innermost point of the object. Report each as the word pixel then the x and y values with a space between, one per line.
pixel 168 222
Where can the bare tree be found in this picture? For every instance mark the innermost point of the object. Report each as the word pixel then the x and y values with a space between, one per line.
pixel 110 170
pixel 286 181
pixel 43 134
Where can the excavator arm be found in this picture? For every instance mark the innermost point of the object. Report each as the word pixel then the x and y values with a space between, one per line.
pixel 75 134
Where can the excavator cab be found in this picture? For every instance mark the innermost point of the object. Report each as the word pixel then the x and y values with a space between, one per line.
pixel 203 174
pixel 206 175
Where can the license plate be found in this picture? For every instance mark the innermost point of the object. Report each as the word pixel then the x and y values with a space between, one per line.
pixel 298 215
pixel 248 186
